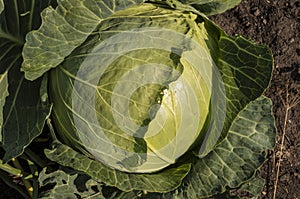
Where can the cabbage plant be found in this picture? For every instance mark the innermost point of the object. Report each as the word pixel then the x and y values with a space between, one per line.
pixel 142 99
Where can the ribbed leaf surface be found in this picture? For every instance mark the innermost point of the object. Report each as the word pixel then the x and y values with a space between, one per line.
pixel 23 113
pixel 63 29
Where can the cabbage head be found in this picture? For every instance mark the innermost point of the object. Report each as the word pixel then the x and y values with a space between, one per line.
pixel 136 94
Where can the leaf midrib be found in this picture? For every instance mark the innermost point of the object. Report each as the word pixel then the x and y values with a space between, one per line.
pixel 10 37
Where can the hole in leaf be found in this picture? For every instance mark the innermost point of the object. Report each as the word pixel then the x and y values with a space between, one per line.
pixel 80 182
pixel 77 195
pixel 47 187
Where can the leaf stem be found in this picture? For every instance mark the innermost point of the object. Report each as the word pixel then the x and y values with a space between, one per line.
pixel 31 15
pixel 35 173
pixel 11 38
pixel 10 169
pixel 35 158
pixel 52 132
pixel 26 182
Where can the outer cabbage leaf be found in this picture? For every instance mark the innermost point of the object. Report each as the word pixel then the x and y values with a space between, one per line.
pixel 122 195
pixel 68 185
pixel 163 181
pixel 246 70
pixel 254 186
pixel 63 29
pixel 1 6
pixel 23 112
pixel 211 7
pixel 206 7
pixel 3 95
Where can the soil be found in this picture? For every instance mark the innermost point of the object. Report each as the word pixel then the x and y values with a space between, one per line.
pixel 275 23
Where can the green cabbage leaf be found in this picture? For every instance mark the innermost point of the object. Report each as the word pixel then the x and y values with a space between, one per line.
pixel 1 6
pixel 4 94
pixel 22 111
pixel 63 29
pixel 211 7
pixel 68 185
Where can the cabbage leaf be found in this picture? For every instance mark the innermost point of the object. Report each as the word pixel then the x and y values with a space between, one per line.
pixel 69 185
pixel 4 94
pixel 152 182
pixel 63 29
pixel 211 7
pixel 23 112
pixel 1 6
